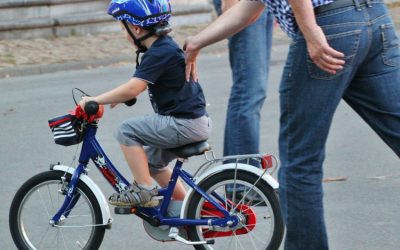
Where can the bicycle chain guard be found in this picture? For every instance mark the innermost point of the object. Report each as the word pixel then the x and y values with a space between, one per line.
pixel 209 210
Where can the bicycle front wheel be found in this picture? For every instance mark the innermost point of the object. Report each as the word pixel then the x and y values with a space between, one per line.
pixel 254 202
pixel 39 199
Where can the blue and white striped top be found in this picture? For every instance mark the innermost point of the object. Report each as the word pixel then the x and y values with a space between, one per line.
pixel 284 14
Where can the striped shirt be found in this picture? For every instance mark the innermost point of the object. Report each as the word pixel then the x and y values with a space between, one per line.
pixel 284 14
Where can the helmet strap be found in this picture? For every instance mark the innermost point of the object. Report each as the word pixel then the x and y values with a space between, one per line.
pixel 140 47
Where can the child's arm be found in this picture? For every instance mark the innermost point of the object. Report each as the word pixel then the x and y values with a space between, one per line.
pixel 122 93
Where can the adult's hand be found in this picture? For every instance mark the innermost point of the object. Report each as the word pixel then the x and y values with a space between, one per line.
pixel 191 59
pixel 324 56
pixel 232 21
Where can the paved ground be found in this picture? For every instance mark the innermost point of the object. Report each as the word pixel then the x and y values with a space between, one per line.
pixel 362 211
pixel 53 54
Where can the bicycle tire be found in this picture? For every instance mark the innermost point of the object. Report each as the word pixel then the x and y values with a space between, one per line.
pixel 212 183
pixel 21 203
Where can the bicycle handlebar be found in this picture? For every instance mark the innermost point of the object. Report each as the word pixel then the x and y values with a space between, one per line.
pixel 92 107
pixel 131 102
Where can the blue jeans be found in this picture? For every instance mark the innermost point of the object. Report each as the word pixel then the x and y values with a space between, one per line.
pixel 369 83
pixel 249 54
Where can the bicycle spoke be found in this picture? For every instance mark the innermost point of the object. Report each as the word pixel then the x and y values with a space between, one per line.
pixel 35 209
pixel 250 233
pixel 51 198
pixel 209 213
pixel 43 204
pixel 44 235
pixel 75 208
pixel 230 242
pixel 226 199
pixel 243 201
pixel 77 216
pixel 237 239
pixel 63 239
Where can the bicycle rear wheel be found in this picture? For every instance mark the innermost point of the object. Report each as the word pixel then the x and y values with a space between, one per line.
pixel 38 200
pixel 261 224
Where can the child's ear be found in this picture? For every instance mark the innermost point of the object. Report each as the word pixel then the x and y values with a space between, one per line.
pixel 136 29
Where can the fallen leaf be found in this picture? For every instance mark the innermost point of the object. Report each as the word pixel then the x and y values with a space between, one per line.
pixel 328 179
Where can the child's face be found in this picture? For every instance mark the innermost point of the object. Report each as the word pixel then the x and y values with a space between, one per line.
pixel 128 37
pixel 136 31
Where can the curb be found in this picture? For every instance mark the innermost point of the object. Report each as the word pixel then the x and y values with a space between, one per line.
pixel 27 70
pixel 219 48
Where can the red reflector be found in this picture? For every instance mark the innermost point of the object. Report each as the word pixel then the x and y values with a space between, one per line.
pixel 267 161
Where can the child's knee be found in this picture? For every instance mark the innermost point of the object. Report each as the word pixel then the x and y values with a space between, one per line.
pixel 126 136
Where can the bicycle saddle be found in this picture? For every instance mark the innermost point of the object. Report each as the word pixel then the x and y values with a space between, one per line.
pixel 192 149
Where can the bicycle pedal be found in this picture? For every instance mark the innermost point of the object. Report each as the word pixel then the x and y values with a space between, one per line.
pixel 124 210
pixel 174 234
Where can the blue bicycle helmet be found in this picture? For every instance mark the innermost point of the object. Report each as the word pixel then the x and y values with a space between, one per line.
pixel 142 13
pixel 152 15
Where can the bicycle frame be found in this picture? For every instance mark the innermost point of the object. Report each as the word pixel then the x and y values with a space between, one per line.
pixel 91 149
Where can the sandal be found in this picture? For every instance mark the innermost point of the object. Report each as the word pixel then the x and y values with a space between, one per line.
pixel 135 196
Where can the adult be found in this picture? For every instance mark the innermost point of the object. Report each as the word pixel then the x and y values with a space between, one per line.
pixel 251 46
pixel 341 49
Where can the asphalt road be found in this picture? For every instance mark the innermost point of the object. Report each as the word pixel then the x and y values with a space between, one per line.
pixel 362 212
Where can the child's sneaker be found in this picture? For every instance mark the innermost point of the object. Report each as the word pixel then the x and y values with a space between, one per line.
pixel 136 196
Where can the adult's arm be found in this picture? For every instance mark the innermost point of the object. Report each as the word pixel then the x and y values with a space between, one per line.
pixel 227 4
pixel 229 23
pixel 324 56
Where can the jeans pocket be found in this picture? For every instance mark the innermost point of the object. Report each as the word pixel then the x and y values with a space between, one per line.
pixel 347 43
pixel 391 47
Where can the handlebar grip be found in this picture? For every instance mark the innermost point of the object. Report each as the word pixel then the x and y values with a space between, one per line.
pixel 131 102
pixel 91 108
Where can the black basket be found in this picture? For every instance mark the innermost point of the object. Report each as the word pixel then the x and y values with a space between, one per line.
pixel 67 130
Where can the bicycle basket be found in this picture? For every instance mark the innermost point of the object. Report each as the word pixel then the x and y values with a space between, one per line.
pixel 67 130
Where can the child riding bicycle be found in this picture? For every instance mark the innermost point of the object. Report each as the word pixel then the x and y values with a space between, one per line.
pixel 180 115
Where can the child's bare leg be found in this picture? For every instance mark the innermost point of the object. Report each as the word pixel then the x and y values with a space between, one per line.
pixel 163 178
pixel 137 161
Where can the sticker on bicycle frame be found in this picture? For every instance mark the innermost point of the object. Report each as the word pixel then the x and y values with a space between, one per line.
pixel 109 174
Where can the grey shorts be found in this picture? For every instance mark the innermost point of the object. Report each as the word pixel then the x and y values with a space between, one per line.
pixel 158 133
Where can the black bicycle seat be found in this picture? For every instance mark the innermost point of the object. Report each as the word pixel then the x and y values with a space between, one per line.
pixel 192 149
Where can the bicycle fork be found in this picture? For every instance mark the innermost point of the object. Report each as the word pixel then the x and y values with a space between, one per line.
pixel 71 196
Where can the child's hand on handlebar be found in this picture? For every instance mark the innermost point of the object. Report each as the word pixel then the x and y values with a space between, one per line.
pixel 84 100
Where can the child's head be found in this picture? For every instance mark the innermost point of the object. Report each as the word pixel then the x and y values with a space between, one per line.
pixel 142 18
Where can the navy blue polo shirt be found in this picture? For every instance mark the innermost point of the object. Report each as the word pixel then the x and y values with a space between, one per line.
pixel 163 68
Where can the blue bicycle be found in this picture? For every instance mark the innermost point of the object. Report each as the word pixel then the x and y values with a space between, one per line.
pixel 229 205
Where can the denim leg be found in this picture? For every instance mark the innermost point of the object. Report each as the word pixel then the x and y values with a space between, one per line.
pixel 375 91
pixel 249 54
pixel 309 97
pixel 307 108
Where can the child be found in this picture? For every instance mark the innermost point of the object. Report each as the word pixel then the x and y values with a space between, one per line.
pixel 180 117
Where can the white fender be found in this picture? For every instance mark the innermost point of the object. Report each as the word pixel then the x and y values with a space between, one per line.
pixel 105 210
pixel 217 169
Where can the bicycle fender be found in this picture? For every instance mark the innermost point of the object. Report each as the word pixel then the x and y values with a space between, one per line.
pixel 230 166
pixel 105 210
